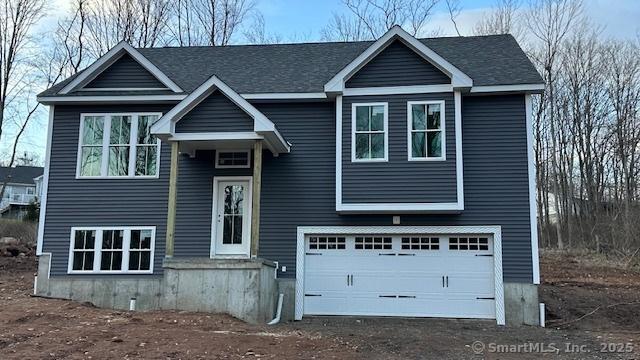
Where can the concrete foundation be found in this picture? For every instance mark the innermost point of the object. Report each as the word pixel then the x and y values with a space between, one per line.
pixel 521 304
pixel 244 288
pixel 288 288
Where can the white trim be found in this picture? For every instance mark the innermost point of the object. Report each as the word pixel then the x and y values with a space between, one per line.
pixel 110 98
pixel 126 244
pixel 215 136
pixel 338 152
pixel 494 230
pixel 397 90
pixel 284 96
pixel 508 88
pixel 111 57
pixel 45 182
pixel 105 146
pixel 246 166
pixel 533 218
pixel 442 130
pixel 388 208
pixel 457 101
pixel 124 89
pixel 214 199
pixel 458 78
pixel 385 125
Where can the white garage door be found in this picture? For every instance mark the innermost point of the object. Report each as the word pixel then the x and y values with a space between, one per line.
pixel 399 275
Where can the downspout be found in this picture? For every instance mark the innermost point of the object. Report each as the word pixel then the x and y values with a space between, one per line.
pixel 278 311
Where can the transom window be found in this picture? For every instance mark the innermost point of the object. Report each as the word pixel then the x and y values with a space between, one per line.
pixel 369 140
pixel 112 250
pixel 232 159
pixel 426 135
pixel 118 145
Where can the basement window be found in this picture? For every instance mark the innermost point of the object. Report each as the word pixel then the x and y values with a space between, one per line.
pixel 126 250
pixel 232 159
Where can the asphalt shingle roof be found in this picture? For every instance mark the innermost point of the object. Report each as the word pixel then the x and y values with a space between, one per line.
pixel 285 68
pixel 20 174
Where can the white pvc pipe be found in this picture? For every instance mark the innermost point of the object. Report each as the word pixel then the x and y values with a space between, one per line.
pixel 35 285
pixel 132 304
pixel 278 311
pixel 542 315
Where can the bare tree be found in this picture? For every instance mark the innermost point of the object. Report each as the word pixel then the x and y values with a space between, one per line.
pixel 454 11
pixel 502 19
pixel 257 32
pixel 369 19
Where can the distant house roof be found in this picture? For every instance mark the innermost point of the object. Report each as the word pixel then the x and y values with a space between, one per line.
pixel 304 68
pixel 20 174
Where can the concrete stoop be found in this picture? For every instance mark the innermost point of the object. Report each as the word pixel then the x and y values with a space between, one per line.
pixel 244 288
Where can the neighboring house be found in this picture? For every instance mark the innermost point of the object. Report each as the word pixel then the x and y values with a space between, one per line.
pixel 21 188
pixel 390 177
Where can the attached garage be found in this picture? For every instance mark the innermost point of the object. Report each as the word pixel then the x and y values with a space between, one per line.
pixel 400 271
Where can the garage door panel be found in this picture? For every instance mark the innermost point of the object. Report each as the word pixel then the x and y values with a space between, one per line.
pixel 400 275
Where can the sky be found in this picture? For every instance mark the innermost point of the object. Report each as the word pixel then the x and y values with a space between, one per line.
pixel 303 20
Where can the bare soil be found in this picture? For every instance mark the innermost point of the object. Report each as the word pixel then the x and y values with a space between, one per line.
pixel 38 328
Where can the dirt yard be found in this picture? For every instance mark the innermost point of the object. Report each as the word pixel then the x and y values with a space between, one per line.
pixel 593 308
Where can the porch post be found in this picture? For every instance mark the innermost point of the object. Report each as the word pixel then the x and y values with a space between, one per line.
pixel 255 199
pixel 171 205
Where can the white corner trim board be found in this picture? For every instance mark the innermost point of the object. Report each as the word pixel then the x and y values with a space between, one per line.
pixel 111 57
pixel 533 218
pixel 45 183
pixel 493 230
pixel 458 78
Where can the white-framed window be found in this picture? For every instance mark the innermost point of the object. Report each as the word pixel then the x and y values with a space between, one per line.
pixel 31 191
pixel 425 130
pixel 227 159
pixel 112 249
pixel 118 146
pixel 369 132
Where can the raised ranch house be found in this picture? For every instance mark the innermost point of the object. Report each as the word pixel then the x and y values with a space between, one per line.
pixel 387 178
pixel 22 186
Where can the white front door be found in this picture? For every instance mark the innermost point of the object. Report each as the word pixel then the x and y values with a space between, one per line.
pixel 423 275
pixel 232 217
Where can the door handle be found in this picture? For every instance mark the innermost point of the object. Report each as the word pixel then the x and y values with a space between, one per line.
pixel 443 281
pixel 351 279
pixel 447 280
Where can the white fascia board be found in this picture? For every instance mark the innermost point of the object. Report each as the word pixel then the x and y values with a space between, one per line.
pixel 215 136
pixel 389 208
pixel 112 56
pixel 458 78
pixel 285 96
pixel 397 90
pixel 109 99
pixel 534 88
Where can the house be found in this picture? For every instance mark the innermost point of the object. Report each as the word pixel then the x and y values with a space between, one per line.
pixel 20 188
pixel 389 178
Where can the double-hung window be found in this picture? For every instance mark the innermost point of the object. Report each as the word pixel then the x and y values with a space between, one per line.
pixel 118 146
pixel 112 250
pixel 369 135
pixel 426 134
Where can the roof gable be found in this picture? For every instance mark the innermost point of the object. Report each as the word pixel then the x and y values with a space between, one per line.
pixel 458 78
pixel 215 113
pixel 125 72
pixel 111 57
pixel 397 65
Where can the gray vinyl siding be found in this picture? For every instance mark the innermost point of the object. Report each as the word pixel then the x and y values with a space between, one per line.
pixel 126 72
pixel 399 180
pixel 397 65
pixel 215 113
pixel 298 189
pixel 98 202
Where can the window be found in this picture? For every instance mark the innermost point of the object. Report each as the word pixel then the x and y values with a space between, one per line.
pixel 31 190
pixel 327 243
pixel 426 135
pixel 470 243
pixel 373 243
pixel 112 250
pixel 369 137
pixel 420 243
pixel 232 159
pixel 118 145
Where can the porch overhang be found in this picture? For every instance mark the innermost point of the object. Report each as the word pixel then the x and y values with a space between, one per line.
pixel 263 128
